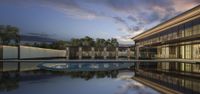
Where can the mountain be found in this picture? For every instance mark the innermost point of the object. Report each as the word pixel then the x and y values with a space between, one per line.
pixel 31 38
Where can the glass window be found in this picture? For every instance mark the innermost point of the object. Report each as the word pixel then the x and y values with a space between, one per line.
pixel 172 52
pixel 196 51
pixel 188 29
pixel 174 36
pixel 188 67
pixel 196 26
pixel 196 68
pixel 170 36
pixel 182 52
pixel 188 52
pixel 181 31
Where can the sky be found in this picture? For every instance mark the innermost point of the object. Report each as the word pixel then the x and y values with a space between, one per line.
pixel 66 19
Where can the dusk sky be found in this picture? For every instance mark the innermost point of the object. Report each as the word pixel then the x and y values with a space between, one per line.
pixel 66 19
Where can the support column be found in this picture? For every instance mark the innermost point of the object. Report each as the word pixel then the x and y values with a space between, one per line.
pixel 128 53
pixel 19 52
pixel 19 57
pixel 116 53
pixel 1 52
pixel 67 53
pixel 92 53
pixel 137 64
pixel 105 53
pixel 80 53
pixel 137 53
pixel 1 57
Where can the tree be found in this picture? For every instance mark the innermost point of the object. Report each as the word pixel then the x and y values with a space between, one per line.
pixel 75 42
pixel 114 42
pixel 59 45
pixel 87 41
pixel 108 43
pixel 8 34
pixel 100 42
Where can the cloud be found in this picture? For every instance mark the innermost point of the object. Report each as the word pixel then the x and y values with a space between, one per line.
pixel 120 20
pixel 126 27
pixel 133 87
pixel 132 18
pixel 183 5
pixel 71 8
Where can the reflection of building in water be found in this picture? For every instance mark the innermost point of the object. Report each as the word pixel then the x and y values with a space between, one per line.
pixel 15 66
pixel 187 85
pixel 8 81
pixel 181 67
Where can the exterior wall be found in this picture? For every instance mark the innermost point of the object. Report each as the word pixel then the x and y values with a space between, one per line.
pixel 100 53
pixel 10 52
pixel 32 52
pixel 178 42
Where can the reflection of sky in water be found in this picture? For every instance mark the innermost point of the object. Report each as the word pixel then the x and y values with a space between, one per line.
pixel 67 85
pixel 132 87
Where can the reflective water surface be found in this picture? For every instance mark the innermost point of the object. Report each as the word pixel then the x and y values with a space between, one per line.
pixel 28 78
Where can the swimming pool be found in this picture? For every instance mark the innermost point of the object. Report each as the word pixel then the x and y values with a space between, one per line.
pixel 87 78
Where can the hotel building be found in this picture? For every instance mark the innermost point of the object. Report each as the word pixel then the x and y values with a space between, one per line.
pixel 177 38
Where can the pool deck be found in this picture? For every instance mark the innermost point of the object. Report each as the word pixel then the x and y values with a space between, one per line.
pixel 160 88
pixel 107 60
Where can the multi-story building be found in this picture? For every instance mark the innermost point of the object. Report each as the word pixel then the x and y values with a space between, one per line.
pixel 177 38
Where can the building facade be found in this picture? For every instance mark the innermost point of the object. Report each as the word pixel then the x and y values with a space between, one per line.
pixel 177 38
pixel 76 52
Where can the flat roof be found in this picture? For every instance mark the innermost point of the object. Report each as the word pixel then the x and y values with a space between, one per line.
pixel 177 20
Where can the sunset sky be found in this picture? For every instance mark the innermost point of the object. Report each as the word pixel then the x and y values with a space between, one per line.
pixel 66 19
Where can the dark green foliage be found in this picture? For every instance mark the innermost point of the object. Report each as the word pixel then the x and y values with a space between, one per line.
pixel 9 35
pixel 87 41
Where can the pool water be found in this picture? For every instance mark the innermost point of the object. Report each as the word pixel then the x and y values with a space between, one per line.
pixel 41 81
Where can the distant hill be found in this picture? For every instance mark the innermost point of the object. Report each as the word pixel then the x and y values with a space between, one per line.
pixel 30 38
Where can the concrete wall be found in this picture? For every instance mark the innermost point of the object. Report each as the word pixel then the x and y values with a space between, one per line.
pixel 33 52
pixel 10 52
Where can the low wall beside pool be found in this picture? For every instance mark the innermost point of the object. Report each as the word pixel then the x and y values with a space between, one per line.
pixel 26 52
